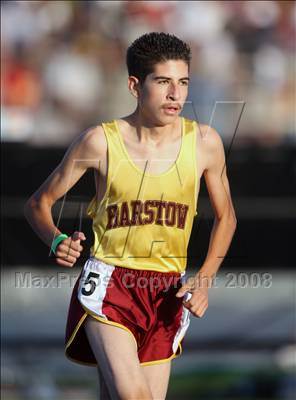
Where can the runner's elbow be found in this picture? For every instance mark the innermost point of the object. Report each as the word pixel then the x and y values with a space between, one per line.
pixel 36 202
pixel 231 221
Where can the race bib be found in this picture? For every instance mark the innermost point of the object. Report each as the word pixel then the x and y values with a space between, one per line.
pixel 94 281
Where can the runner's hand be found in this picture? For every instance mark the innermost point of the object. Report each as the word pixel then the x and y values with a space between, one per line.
pixel 68 251
pixel 197 304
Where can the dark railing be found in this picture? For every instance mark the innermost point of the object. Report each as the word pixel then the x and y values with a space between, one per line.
pixel 263 187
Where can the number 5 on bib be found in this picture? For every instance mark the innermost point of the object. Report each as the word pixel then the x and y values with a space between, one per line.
pixel 94 281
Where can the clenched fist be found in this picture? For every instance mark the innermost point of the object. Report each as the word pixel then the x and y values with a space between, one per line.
pixel 68 251
pixel 197 303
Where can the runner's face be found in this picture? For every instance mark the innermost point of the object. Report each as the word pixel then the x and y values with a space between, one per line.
pixel 164 91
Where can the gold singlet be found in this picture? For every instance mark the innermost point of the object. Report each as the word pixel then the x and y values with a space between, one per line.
pixel 144 220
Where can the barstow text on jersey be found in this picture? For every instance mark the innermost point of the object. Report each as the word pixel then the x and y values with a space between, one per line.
pixel 147 212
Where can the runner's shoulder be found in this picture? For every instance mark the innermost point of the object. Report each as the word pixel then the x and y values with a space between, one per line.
pixel 208 137
pixel 93 139
pixel 92 142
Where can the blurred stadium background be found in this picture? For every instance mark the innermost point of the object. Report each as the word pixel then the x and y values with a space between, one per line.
pixel 63 70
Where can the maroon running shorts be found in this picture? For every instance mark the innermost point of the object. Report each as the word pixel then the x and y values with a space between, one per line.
pixel 144 303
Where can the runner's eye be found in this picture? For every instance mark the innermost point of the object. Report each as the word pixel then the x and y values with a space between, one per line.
pixel 163 81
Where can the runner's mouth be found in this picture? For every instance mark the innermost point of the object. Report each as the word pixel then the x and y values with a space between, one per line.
pixel 171 109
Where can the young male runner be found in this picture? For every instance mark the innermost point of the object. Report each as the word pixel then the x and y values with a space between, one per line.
pixel 130 309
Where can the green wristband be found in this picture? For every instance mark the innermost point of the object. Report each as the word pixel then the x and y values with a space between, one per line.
pixel 58 240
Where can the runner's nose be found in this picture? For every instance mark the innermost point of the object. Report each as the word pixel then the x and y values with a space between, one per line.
pixel 174 92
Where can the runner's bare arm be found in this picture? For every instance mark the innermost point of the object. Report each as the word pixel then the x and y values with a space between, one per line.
pixel 215 174
pixel 85 152
pixel 224 224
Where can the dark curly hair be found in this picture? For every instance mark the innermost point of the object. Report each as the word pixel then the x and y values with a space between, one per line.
pixel 152 48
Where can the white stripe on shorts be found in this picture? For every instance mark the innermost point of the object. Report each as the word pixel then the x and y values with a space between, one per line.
pixel 184 324
pixel 95 280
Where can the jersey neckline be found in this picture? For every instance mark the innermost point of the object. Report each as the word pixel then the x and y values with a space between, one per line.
pixel 138 169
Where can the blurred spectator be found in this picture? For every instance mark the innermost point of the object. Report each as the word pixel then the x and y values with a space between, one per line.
pixel 74 79
pixel 64 64
pixel 21 84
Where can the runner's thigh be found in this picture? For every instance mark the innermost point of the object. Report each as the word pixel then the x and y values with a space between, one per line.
pixel 116 353
pixel 104 392
pixel 158 376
